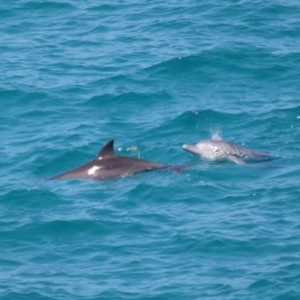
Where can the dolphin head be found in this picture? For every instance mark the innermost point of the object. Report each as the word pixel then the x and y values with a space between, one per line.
pixel 192 149
pixel 208 149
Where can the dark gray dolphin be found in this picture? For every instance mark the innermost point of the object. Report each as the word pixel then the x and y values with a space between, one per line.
pixel 109 165
pixel 221 151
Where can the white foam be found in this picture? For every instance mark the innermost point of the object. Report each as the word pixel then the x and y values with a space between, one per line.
pixel 216 135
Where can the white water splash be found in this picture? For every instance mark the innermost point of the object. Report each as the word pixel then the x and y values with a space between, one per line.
pixel 216 135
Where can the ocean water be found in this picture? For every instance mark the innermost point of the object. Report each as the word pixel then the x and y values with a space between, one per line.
pixel 152 75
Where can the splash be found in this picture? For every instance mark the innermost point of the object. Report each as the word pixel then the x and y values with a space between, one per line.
pixel 216 135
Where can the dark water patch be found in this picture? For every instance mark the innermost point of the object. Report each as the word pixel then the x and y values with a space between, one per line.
pixel 130 99
pixel 103 8
pixel 288 112
pixel 290 295
pixel 126 83
pixel 8 95
pixel 47 5
pixel 176 67
pixel 29 199
pixel 35 97
pixel 262 284
pixel 26 296
pixel 6 13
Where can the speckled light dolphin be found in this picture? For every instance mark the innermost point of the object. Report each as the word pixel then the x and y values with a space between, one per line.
pixel 109 165
pixel 221 151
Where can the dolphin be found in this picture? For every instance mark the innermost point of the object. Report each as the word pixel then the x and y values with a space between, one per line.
pixel 221 151
pixel 109 165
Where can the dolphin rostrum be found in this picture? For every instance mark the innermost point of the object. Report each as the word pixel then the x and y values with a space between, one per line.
pixel 221 151
pixel 109 165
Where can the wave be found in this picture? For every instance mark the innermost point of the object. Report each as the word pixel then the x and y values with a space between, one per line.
pixel 211 64
pixel 46 5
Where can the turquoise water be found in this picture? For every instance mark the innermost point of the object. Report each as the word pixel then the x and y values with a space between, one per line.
pixel 152 76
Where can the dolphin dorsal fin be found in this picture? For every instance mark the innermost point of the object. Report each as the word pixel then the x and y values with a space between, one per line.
pixel 107 150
